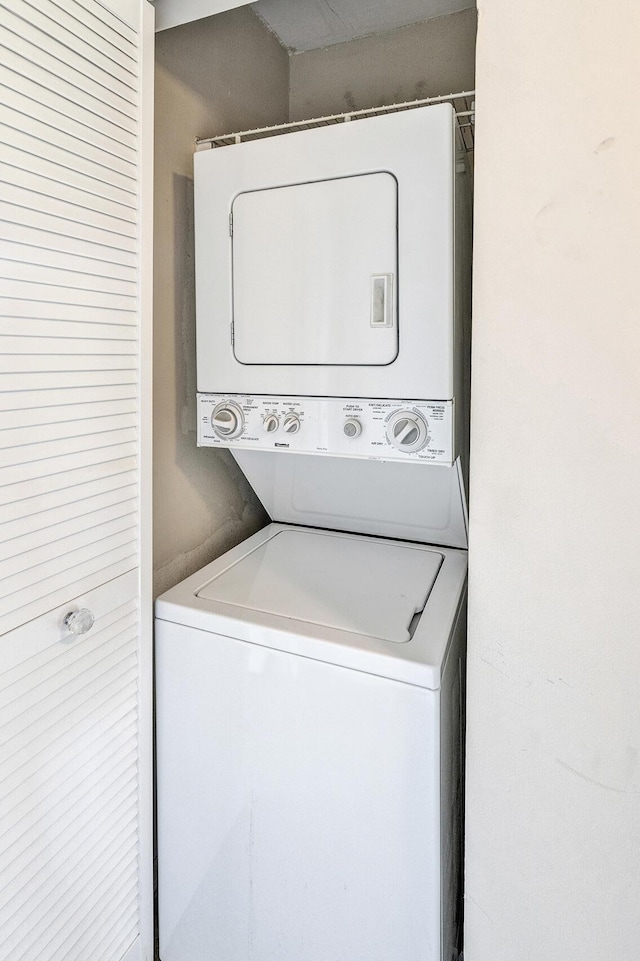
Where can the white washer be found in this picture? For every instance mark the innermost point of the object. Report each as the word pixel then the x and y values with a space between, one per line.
pixel 309 705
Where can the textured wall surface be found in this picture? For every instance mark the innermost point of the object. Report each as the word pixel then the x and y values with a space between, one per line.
pixel 553 789
pixel 212 76
pixel 423 60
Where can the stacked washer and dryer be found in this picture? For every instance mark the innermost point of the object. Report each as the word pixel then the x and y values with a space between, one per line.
pixel 310 682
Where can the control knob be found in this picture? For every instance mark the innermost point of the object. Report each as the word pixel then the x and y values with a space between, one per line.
pixel 352 428
pixel 291 424
pixel 407 431
pixel 270 423
pixel 227 420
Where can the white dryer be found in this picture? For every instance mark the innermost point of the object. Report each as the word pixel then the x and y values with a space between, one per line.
pixel 310 701
pixel 326 261
pixel 310 682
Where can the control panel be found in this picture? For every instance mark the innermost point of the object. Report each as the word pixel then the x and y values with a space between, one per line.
pixel 418 431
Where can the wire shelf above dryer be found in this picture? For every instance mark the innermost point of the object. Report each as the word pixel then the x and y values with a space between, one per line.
pixel 463 104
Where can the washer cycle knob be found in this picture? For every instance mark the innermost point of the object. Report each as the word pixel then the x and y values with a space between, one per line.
pixel 227 421
pixel 270 423
pixel 407 431
pixel 291 424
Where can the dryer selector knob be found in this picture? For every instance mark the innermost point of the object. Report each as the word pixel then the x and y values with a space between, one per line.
pixel 352 427
pixel 227 420
pixel 270 423
pixel 407 431
pixel 291 424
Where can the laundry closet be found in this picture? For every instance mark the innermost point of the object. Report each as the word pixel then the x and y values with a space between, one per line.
pixel 75 325
pixel 332 369
pixel 221 75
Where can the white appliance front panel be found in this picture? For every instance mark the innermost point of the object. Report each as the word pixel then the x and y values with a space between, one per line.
pixel 395 430
pixel 313 273
pixel 298 807
pixel 421 503
pixel 415 147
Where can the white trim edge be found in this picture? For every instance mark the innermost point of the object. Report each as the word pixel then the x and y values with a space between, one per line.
pixel 172 13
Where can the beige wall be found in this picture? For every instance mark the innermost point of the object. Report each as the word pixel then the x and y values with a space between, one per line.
pixel 215 75
pixel 553 791
pixel 423 60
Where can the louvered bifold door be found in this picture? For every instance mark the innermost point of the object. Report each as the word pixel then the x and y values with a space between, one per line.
pixel 68 325
pixel 72 99
pixel 69 807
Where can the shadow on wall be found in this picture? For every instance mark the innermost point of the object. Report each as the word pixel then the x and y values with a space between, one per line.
pixel 229 71
pixel 422 60
pixel 184 302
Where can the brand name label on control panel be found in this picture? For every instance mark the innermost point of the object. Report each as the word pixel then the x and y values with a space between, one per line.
pixel 417 431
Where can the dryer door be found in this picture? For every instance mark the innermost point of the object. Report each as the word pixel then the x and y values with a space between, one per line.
pixel 314 266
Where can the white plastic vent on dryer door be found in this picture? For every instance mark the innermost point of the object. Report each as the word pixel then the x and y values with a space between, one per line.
pixel 313 272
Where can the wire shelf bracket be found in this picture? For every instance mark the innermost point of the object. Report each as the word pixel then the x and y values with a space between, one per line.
pixel 463 104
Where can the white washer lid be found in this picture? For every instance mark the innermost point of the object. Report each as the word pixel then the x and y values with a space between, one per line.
pixel 372 588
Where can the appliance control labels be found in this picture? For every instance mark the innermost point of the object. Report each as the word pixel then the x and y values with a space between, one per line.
pixel 417 431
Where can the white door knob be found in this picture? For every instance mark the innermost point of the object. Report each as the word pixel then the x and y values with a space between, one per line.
pixel 79 622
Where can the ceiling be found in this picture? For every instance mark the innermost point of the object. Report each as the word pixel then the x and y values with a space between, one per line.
pixel 308 24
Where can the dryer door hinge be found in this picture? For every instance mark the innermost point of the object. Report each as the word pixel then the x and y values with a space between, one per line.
pixel 231 225
pixel 232 335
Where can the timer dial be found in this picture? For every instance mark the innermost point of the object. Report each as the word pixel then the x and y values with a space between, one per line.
pixel 227 420
pixel 407 431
